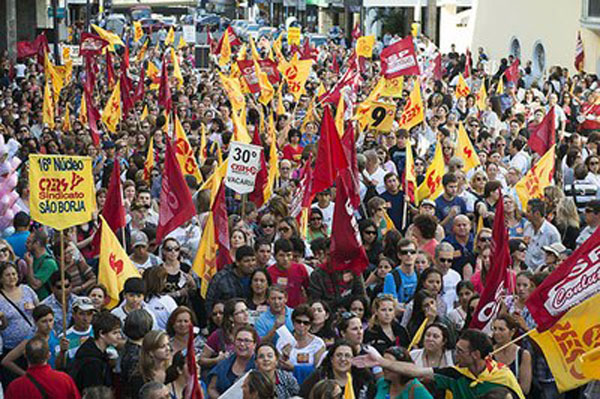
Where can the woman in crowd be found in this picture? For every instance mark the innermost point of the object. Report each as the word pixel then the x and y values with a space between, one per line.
pixel 162 305
pixel 458 315
pixel 360 307
pixel 178 328
pixel 267 362
pixel 517 249
pixel 384 330
pixel 316 228
pixel 322 322
pixel 155 358
pixel 99 296
pixel 260 281
pixel 515 304
pixel 394 385
pixel 370 240
pixel 237 238
pixel 435 348
pixel 374 283
pixel 215 318
pixel 504 329
pixel 568 222
pixel 425 307
pixel 432 280
pixel 82 275
pixel 177 376
pixel 337 365
pixel 258 386
pixel 228 370
pixel 514 219
pixel 137 324
pixel 422 261
pixel 350 328
pixel 180 283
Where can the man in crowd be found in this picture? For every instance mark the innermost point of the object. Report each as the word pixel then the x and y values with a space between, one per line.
pixel 40 264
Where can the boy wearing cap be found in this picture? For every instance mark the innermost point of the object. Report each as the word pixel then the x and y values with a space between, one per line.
pixel 141 258
pixel 134 292
pixel 83 311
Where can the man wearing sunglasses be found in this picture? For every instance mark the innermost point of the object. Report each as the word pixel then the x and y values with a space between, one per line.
pixel 402 281
pixel 54 301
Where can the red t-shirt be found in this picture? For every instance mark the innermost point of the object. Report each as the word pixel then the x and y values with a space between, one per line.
pixel 58 385
pixel 292 153
pixel 590 109
pixel 295 279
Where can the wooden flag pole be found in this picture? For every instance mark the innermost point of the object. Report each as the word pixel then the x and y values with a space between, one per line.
pixel 62 281
pixel 506 345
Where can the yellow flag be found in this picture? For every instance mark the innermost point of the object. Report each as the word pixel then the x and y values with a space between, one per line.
pixel 138 32
pixel 240 131
pixel 234 92
pixel 255 53
pixel 114 267
pixel 590 364
pixel 465 149
pixel 364 46
pixel 176 69
pixel 54 75
pixel 241 54
pixel 266 88
pixel 48 106
pixel 431 187
pixel 225 54
pixel 479 224
pixel 349 388
pixel 310 113
pixel 82 117
pixel 296 73
pixel 280 108
pixel 413 113
pixel 293 36
pixel 410 177
pixel 389 223
pixel 537 178
pixel 170 39
pixel 380 116
pixel 152 71
pixel 112 110
pixel 500 86
pixel 482 98
pixel 144 113
pixel 205 262
pixel 273 161
pixel 339 116
pixel 203 143
pixel 66 126
pixel 149 162
pixel 185 153
pixel 392 87
pixel 277 44
pixel 418 334
pixel 220 171
pixel 110 37
pixel 140 56
pixel 462 88
pixel 567 340
pixel 321 90
pixel 181 43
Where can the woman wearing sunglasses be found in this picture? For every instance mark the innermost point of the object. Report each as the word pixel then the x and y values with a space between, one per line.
pixel 180 283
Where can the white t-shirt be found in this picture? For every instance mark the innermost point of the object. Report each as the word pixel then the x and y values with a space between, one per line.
pixel 120 312
pixel 162 307
pixel 306 356
pixel 451 280
pixel 327 214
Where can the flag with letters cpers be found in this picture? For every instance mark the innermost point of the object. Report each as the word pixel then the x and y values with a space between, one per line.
pixel 115 267
pixel 62 191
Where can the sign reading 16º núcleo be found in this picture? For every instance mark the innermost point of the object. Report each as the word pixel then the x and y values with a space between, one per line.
pixel 61 190
pixel 242 167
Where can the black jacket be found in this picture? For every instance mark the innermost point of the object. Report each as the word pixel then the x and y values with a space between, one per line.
pixel 91 367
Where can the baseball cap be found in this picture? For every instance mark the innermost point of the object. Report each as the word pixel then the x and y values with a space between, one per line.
pixel 134 285
pixel 428 202
pixel 557 248
pixel 139 238
pixel 83 303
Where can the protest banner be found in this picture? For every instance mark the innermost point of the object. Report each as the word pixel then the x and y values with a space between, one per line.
pixel 243 166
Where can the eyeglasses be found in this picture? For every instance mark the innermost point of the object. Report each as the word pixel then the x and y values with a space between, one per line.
pixel 268 226
pixel 302 322
pixel 284 228
pixel 171 249
pixel 485 239
pixel 315 219
pixel 446 260
pixel 4 250
pixel 244 341
pixel 371 232
pixel 407 252
pixel 240 312
pixel 480 178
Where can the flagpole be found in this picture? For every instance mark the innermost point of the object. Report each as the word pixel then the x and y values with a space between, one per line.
pixel 506 345
pixel 62 281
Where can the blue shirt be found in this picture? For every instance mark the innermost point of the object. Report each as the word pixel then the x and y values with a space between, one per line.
pixel 407 288
pixel 18 328
pixel 395 207
pixel 266 321
pixel 443 207
pixel 463 254
pixel 17 242
pixel 224 375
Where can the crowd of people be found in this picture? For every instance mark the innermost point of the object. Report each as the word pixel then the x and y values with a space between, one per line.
pixel 279 314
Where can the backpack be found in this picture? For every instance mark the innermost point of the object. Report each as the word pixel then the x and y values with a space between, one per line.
pixel 397 279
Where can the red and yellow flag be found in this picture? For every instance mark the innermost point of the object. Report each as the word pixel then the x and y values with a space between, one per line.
pixel 176 69
pixel 431 187
pixel 410 177
pixel 185 152
pixel 48 106
pixel 149 162
pixel 140 56
pixel 364 46
pixel 66 125
pixel 170 39
pixel 115 267
pixel 111 116
pixel 138 32
pixel 83 117
pixel 462 88
pixel 234 92
pixel 537 178
pixel 482 98
pixel 295 73
pixel 225 54
pixel 273 161
pixel 413 113
pixel 465 149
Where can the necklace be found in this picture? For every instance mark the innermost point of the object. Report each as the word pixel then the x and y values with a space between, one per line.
pixel 429 364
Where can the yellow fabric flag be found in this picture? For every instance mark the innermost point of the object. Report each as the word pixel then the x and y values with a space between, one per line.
pixel 310 114
pixel 267 92
pixel 349 388
pixel 590 364
pixel 273 161
pixel 240 132
pixel 465 149
pixel 51 73
pixel 255 53
pixel 296 73
pixel 364 46
pixel 110 37
pixel 152 71
pixel 225 54
pixel 234 92
pixel 144 113
pixel 241 54
pixel 413 113
pixel 392 87
pixel 479 224
pixel 140 56
pixel 418 334
pixel 431 187
pixel 205 262
pixel 66 125
pixel 389 223
pixel 280 108
pixel 138 32
pixel 219 171
pixel 462 88
pixel 181 43
pixel 176 69
pixel 82 117
pixel 185 153
pixel 203 142
pixel 482 98
pixel 170 38
pixel 48 106
pixel 410 177
pixel 112 110
pixel 567 340
pixel 500 86
pixel 114 267
pixel 339 116
pixel 149 162
pixel 537 178
pixel 277 45
pixel 321 90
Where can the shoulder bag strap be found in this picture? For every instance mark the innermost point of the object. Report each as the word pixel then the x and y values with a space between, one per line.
pixel 14 305
pixel 38 386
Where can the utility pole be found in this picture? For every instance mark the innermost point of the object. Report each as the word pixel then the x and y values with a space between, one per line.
pixel 11 29
pixel 432 20
pixel 55 30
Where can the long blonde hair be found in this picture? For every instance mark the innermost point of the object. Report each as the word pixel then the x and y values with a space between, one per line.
pixel 566 213
pixel 148 363
pixel 374 320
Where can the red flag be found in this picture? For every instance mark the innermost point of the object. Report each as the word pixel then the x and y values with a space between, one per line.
pixel 249 73
pixel 399 59
pixel 164 93
pixel 307 52
pixel 330 156
pixel 542 136
pixel 257 196
pixel 349 145
pixel 114 211
pixel 192 387
pixel 270 68
pixel 356 31
pixel 139 90
pixel 93 116
pixel 233 40
pixel 221 221
pixel 579 53
pixel 306 182
pixel 91 45
pixel 351 79
pixel 210 41
pixel 126 57
pixel 37 47
pixel 571 283
pixel 335 67
pixel 126 88
pixel 110 71
pixel 512 72
pixel 467 73
pixel 497 276
pixel 176 204
pixel 347 252
pixel 90 73
pixel 437 68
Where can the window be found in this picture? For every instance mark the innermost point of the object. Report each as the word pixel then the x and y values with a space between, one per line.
pixel 539 58
pixel 515 48
pixel 593 8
